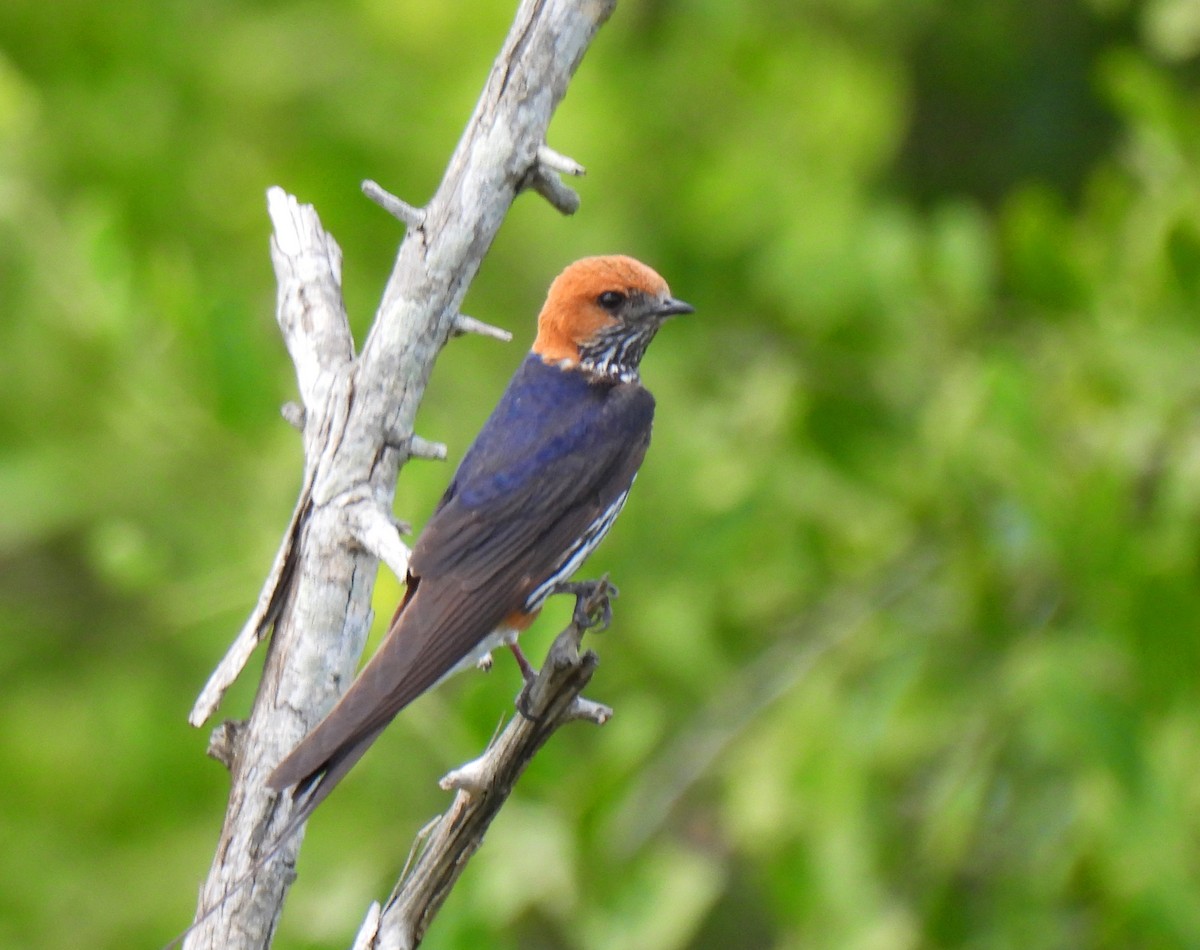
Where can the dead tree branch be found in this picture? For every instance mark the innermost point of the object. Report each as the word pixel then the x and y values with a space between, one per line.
pixel 357 421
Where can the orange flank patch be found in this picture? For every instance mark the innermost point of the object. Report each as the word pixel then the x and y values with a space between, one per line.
pixel 519 620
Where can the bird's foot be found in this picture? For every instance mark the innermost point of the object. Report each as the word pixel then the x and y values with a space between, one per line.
pixel 529 674
pixel 484 663
pixel 593 601
pixel 593 609
pixel 525 709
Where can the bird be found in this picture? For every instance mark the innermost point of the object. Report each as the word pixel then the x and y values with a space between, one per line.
pixel 535 493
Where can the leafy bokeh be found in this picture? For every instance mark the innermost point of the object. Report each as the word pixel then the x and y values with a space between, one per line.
pixel 906 654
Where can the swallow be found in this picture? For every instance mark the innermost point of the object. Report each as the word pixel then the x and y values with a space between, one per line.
pixel 536 492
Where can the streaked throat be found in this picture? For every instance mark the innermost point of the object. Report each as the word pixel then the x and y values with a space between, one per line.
pixel 616 353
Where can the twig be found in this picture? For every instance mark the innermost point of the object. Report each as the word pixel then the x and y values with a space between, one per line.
pixel 399 209
pixel 266 611
pixel 464 324
pixel 548 158
pixel 374 527
pixel 419 448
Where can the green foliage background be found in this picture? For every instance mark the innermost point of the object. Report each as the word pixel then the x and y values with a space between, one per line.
pixel 906 652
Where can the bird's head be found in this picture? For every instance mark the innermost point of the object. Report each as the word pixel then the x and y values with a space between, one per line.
pixel 600 315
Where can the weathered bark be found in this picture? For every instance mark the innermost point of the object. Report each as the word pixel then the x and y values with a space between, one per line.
pixel 357 419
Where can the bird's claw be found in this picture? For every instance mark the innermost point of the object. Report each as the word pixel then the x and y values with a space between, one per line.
pixel 523 705
pixel 529 674
pixel 593 602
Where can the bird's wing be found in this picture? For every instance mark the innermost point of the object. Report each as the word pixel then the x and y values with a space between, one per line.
pixel 502 512
pixel 500 530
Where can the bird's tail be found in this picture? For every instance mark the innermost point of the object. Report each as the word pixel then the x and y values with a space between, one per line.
pixel 314 787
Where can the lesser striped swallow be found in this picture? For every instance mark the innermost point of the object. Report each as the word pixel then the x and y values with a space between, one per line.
pixel 536 492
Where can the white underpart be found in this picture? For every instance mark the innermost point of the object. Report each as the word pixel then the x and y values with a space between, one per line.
pixel 570 562
pixel 481 655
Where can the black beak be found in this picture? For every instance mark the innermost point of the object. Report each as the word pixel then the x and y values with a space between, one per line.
pixel 670 307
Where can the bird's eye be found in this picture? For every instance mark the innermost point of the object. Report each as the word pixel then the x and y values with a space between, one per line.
pixel 611 299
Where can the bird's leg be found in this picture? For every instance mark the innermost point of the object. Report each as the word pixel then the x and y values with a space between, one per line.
pixel 593 605
pixel 527 670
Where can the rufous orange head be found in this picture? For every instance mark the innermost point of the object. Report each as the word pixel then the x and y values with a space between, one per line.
pixel 601 313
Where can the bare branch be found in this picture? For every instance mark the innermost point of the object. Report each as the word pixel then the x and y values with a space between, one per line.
pixel 366 934
pixel 312 318
pixel 464 324
pixel 564 200
pixel 553 161
pixel 266 610
pixel 375 529
pixel 401 210
pixel 420 448
pixel 225 741
pixel 293 414
pixel 308 268
pixel 543 178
